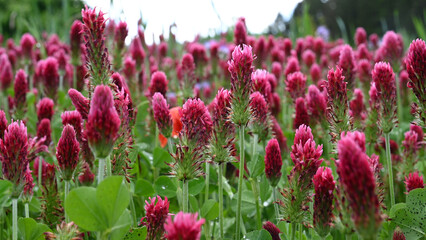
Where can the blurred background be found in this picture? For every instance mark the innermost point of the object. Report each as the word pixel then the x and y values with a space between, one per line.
pixel 290 18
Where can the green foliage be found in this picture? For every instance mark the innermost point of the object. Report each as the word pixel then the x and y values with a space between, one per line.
pixel 136 234
pixel 103 209
pixel 259 235
pixel 5 192
pixel 29 229
pixel 210 210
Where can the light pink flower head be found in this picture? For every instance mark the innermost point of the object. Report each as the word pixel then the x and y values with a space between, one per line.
pixel 184 226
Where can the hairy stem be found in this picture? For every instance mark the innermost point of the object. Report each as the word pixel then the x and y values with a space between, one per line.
pixel 66 191
pixel 220 167
pixel 185 196
pixel 277 210
pixel 390 169
pixel 15 219
pixel 240 183
pixel 101 170
pixel 253 182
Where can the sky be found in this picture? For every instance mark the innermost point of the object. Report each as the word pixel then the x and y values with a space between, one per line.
pixel 192 17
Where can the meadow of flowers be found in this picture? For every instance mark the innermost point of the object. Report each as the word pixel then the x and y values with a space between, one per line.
pixel 255 138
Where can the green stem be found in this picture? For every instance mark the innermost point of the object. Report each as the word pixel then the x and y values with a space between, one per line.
pixel 398 99
pixel 390 169
pixel 61 82
pixel 108 166
pixel 207 181
pixel 240 183
pixel 101 170
pixel 277 210
pixel 15 219
pixel 132 208
pixel 27 211
pixel 40 162
pixel 185 196
pixel 293 231
pixel 221 199
pixel 253 182
pixel 67 189
pixel 300 231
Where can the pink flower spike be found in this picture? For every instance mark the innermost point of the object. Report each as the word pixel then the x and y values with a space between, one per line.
pixel 240 32
pixel 323 206
pixel 21 89
pixel 3 123
pixel 157 211
pixel 360 36
pixel 296 85
pixel 184 226
pixel 45 109
pixel 158 83
pixel 67 152
pixel 272 229
pixel 80 102
pixel 273 162
pixel 301 113
pixel 413 181
pixel 162 114
pixel 44 131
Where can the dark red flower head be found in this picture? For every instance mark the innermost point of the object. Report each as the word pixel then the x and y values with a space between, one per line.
pixel 292 66
pixel 45 109
pixel 158 83
pixel 301 113
pixel 296 85
pixel 67 152
pixel 398 235
pixel 277 70
pixel 347 63
pixel 359 185
pixel 196 121
pixel 413 181
pixel 315 72
pixel 240 32
pixel 44 131
pixel 80 102
pixel 27 45
pixel 415 64
pixel 29 185
pixel 317 103
pixel 3 123
pixel 120 34
pixel 162 114
pixel 184 226
pixel 357 108
pixel 308 57
pixel 384 80
pixel 363 53
pixel 50 77
pixel 103 122
pixel 75 39
pixel 364 70
pixel 323 205
pixel 391 49
pixel 261 83
pixel 272 229
pixel 240 67
pixel 21 88
pixel 273 162
pixel 360 36
pixel 6 72
pixel 137 52
pixel 87 177
pixel 157 211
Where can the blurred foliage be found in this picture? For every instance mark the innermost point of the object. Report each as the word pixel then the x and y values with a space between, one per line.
pixel 342 17
pixel 36 16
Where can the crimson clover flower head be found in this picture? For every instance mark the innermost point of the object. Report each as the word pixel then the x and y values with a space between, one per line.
pixel 292 66
pixel 296 85
pixel 415 64
pixel 158 83
pixel 315 72
pixel 384 80
pixel 398 235
pixel 324 185
pixel 184 226
pixel 259 115
pixel 273 162
pixel 157 211
pixel 80 102
pixel 357 137
pixel 304 151
pixel 261 83
pixel 44 130
pixel 357 108
pixel 196 121
pixel 27 45
pixel 45 109
pixel 317 103
pixel 240 32
pixel 419 131
pixel 413 181
pixel 21 89
pixel 278 134
pixel 67 152
pixel 13 154
pixel 391 49
pixel 277 69
pixel 50 76
pixel 198 52
pixel 87 177
pixel 410 143
pixel 364 70
pixel 308 57
pixel 75 39
pixel 162 114
pixel 3 123
pixel 6 72
pixel 301 113
pixel 28 186
pixel 137 52
pixel 362 53
pixel 120 34
pixel 272 229
pixel 348 65
pixel 103 122
pixel 359 185
pixel 74 119
pixel 360 36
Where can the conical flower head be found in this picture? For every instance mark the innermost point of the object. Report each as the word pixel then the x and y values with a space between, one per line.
pixel 323 204
pixel 261 83
pixel 27 194
pixel 360 36
pixel 67 152
pixel 45 109
pixel 260 122
pixel 240 32
pixel 391 49
pixel 347 63
pixel 27 44
pixel 317 104
pixel 184 226
pixel 301 113
pixel 158 83
pixel 357 108
pixel 292 66
pixel 157 211
pixel 415 64
pixel 75 41
pixel 162 114
pixel 50 77
pixel 44 130
pixel 103 122
pixel 359 186
pixel 196 121
pixel 413 181
pixel 80 102
pixel 296 85
pixel 21 89
pixel 74 119
pixel 3 123
pixel 13 154
pixel 6 72
pixel 273 162
pixel 384 80
pixel 240 67
pixel 272 229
